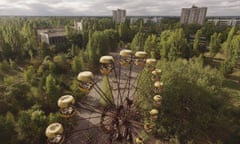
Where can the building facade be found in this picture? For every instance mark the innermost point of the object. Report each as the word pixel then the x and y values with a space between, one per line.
pixel 78 25
pixel 153 19
pixel 52 36
pixel 225 21
pixel 194 15
pixel 119 15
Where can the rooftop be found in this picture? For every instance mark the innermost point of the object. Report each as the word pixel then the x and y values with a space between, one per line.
pixel 52 32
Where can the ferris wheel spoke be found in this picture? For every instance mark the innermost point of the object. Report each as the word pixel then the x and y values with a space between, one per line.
pixel 136 125
pixel 86 135
pixel 110 87
pixel 143 92
pixel 135 133
pixel 129 76
pixel 128 81
pixel 103 95
pixel 118 80
pixel 85 129
pixel 139 75
pixel 90 117
pixel 89 107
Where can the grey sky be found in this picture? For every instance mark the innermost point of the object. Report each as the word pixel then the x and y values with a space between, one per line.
pixel 104 7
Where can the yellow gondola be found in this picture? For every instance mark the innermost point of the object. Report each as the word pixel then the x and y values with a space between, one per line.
pixel 148 127
pixel 66 104
pixel 86 81
pixel 154 114
pixel 156 75
pixel 150 64
pixel 140 58
pixel 54 133
pixel 125 57
pixel 157 100
pixel 139 140
pixel 106 64
pixel 158 87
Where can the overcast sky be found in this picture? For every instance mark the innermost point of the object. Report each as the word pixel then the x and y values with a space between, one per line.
pixel 105 7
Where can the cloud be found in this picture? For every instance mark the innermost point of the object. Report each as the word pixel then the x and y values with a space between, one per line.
pixel 104 7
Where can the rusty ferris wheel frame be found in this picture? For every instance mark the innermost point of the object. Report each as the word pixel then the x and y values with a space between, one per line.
pixel 121 120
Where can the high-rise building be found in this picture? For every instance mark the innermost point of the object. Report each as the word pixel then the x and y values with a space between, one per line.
pixel 194 15
pixel 119 15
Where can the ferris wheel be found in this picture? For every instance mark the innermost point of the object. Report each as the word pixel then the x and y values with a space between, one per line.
pixel 121 119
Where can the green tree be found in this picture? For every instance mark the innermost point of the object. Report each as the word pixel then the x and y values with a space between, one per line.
pixel 164 44
pixel 196 43
pixel 138 41
pixel 76 92
pixel 113 38
pixel 43 50
pixel 29 74
pixel 52 67
pixel 231 47
pixel 97 46
pixel 74 51
pixel 235 49
pixel 17 94
pixel 151 46
pixel 84 39
pixel 12 38
pixel 52 89
pixel 7 128
pixel 31 126
pixel 215 43
pixel 76 65
pixel 227 43
pixel 124 32
pixel 4 106
pixel 74 37
pixel 54 117
pixel 173 44
pixel 192 100
pixel 61 63
pixel 191 29
pixel 29 37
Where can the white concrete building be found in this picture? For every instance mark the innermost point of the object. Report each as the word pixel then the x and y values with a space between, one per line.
pixel 78 25
pixel 119 15
pixel 194 15
pixel 154 19
pixel 52 36
pixel 225 21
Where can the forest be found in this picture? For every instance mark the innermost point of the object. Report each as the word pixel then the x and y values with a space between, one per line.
pixel 200 64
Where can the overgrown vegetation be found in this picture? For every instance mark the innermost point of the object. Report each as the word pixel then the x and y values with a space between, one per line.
pixel 200 105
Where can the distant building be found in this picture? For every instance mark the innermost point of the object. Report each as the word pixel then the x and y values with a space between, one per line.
pixel 194 15
pixel 78 25
pixel 119 15
pixel 225 21
pixel 134 19
pixel 145 19
pixel 52 36
pixel 152 19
